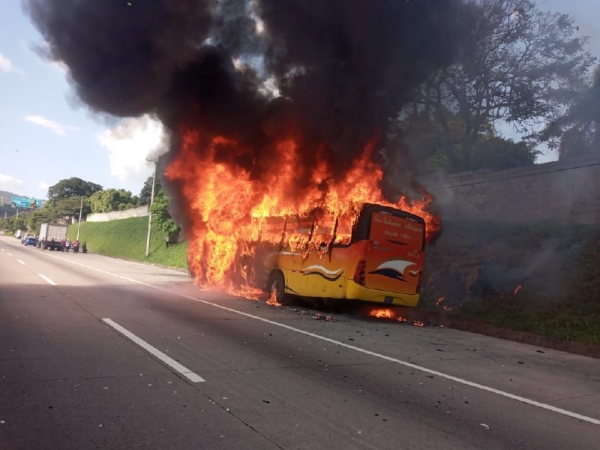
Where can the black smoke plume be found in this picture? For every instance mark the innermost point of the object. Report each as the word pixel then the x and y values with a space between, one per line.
pixel 342 68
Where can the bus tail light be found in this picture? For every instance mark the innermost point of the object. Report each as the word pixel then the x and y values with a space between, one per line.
pixel 359 274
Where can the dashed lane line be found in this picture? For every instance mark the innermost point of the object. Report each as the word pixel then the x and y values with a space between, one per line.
pixel 194 378
pixel 48 280
pixel 21 262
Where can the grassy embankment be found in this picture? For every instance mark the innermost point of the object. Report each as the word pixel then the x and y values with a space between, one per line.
pixel 126 239
pixel 555 268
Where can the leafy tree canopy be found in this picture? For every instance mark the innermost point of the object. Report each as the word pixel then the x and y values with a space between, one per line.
pixel 577 133
pixel 433 149
pixel 72 187
pixel 496 153
pixel 40 216
pixel 517 64
pixel 112 200
pixel 161 218
pixel 146 192
pixel 14 223
pixel 70 207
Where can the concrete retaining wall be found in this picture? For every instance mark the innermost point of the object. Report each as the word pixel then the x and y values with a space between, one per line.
pixel 556 191
pixel 140 211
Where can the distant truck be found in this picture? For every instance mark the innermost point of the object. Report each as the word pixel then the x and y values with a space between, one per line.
pixel 50 231
pixel 19 234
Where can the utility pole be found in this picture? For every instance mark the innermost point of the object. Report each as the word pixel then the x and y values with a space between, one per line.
pixel 79 222
pixel 150 207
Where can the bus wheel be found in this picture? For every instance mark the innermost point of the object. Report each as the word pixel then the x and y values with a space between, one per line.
pixel 276 287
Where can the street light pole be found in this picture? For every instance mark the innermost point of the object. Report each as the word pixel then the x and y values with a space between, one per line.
pixel 149 207
pixel 79 222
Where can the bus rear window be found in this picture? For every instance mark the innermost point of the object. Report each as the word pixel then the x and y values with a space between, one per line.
pixel 396 230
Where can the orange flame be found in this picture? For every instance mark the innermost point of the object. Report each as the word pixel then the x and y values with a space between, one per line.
pixel 382 313
pixel 273 299
pixel 226 203
pixel 386 313
pixel 517 289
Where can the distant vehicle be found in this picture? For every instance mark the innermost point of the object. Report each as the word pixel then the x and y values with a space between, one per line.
pixel 24 237
pixel 19 234
pixel 30 241
pixel 50 231
pixel 52 245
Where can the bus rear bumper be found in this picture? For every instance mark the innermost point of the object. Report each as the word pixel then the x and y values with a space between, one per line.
pixel 357 292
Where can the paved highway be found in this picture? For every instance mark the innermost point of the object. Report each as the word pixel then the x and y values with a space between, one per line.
pixel 99 353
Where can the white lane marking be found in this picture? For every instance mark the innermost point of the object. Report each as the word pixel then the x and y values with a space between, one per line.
pixel 9 254
pixel 20 262
pixel 44 277
pixel 361 350
pixel 194 378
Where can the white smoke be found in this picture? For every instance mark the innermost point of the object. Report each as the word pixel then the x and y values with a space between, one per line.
pixel 131 144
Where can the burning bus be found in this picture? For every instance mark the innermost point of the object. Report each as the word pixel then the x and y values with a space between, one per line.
pixel 376 256
pixel 274 109
pixel 331 238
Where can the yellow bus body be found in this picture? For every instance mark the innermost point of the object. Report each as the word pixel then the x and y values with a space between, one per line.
pixel 385 267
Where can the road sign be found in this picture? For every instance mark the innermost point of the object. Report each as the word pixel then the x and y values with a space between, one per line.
pixel 25 202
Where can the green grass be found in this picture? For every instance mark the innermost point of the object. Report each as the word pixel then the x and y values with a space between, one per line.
pixel 568 310
pixel 126 239
pixel 567 321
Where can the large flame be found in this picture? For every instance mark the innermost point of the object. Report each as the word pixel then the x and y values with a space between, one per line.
pixel 226 203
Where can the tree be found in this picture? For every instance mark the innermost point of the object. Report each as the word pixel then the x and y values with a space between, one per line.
pixel 577 133
pixel 146 192
pixel 5 224
pixel 12 224
pixel 497 153
pixel 433 149
pixel 72 187
pixel 42 215
pixel 112 200
pixel 161 218
pixel 516 64
pixel 69 207
pixel 57 210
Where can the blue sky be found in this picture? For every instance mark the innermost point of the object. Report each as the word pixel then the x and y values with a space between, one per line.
pixel 47 135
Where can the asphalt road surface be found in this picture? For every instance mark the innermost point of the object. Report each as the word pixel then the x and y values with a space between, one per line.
pixel 99 353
